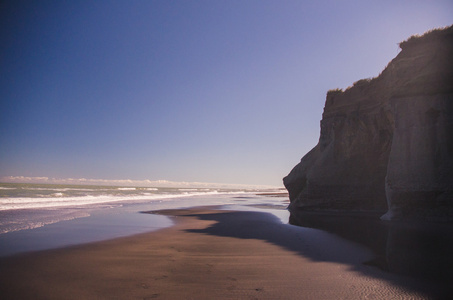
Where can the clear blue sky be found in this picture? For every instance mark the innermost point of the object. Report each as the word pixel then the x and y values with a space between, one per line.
pixel 210 91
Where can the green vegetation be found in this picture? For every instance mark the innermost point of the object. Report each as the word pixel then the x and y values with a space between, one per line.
pixel 362 82
pixel 436 34
pixel 334 92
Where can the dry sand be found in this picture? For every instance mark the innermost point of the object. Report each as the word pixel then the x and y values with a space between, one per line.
pixel 208 254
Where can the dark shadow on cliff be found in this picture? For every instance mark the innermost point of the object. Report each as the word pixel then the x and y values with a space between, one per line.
pixel 319 245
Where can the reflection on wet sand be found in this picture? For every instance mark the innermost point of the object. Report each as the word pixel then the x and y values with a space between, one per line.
pixel 422 250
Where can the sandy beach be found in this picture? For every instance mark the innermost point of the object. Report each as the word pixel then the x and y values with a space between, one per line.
pixel 210 254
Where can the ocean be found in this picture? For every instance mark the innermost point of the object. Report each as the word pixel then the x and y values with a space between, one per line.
pixel 44 216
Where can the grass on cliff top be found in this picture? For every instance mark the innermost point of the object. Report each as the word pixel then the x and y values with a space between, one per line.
pixel 432 35
pixel 333 92
pixel 437 34
pixel 358 83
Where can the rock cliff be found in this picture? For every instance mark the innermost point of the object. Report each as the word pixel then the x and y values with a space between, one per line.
pixel 386 143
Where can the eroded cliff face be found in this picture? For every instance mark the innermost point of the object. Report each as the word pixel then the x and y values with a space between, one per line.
pixel 386 144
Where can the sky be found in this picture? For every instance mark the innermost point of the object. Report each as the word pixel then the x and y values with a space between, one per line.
pixel 194 91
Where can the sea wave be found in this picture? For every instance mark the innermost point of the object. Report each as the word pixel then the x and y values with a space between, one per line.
pixel 16 220
pixel 60 200
pixel 52 189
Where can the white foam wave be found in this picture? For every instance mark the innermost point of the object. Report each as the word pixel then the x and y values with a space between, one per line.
pixel 38 220
pixel 33 203
pixel 55 189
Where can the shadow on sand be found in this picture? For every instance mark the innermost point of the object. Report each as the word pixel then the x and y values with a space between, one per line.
pixel 415 249
pixel 412 250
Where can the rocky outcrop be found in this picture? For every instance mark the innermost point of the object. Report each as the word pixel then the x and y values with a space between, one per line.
pixel 386 143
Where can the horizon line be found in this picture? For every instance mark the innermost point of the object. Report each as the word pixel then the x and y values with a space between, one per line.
pixel 130 182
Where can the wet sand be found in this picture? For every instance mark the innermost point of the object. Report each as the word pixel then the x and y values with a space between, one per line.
pixel 209 254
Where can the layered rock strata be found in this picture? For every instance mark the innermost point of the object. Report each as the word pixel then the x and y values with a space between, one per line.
pixel 386 143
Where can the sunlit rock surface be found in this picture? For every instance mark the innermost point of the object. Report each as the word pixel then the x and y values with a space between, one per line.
pixel 386 144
